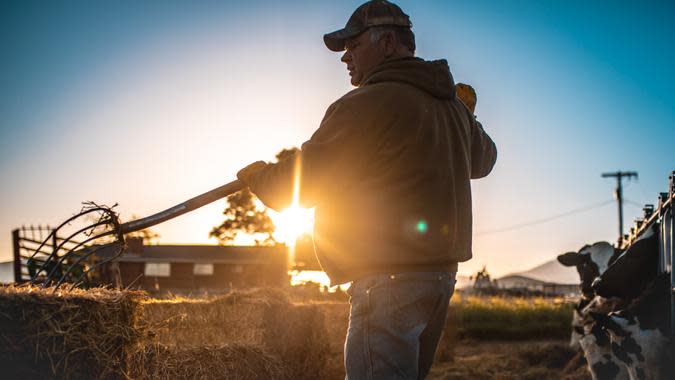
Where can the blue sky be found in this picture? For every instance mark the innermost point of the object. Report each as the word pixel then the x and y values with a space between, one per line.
pixel 149 103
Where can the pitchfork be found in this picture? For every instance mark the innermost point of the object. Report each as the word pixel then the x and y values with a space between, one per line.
pixel 104 235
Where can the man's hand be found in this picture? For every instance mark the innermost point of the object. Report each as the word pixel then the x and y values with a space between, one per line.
pixel 246 173
pixel 467 95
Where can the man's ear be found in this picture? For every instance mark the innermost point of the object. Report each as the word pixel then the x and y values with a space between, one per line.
pixel 571 259
pixel 390 44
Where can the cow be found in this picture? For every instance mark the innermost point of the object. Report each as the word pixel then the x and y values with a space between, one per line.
pixel 640 331
pixel 622 320
pixel 591 261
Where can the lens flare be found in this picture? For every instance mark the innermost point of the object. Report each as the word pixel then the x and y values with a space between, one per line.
pixel 422 226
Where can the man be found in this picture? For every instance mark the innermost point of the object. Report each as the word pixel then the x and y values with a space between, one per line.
pixel 389 173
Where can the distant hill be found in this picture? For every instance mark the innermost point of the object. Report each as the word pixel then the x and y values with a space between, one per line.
pixel 551 272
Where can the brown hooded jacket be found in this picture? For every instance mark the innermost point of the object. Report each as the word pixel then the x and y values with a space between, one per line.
pixel 389 172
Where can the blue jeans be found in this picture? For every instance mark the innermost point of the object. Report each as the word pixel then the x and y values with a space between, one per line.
pixel 395 323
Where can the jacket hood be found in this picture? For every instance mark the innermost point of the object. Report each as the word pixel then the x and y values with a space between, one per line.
pixel 433 77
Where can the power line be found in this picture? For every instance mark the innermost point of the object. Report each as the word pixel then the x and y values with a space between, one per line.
pixel 545 220
pixel 633 203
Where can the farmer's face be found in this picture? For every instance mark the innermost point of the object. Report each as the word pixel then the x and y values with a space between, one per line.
pixel 362 55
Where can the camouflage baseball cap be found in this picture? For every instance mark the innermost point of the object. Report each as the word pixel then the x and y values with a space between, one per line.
pixel 372 13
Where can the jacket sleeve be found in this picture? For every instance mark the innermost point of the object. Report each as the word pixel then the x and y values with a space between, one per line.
pixel 483 152
pixel 324 164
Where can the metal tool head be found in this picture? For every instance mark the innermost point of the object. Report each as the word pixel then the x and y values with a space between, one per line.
pixel 72 251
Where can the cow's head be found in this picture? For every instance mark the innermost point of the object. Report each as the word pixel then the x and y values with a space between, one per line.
pixel 591 261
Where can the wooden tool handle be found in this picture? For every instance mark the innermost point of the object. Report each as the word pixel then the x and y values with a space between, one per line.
pixel 180 209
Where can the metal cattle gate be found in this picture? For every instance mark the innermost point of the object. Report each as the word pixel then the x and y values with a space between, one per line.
pixel 664 216
pixel 32 250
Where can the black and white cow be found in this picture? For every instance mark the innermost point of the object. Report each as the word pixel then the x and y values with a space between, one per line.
pixel 595 343
pixel 591 261
pixel 639 333
pixel 622 320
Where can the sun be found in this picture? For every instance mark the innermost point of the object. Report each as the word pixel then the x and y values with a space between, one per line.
pixel 295 220
pixel 291 223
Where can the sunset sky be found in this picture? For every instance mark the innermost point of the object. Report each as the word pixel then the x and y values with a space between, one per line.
pixel 148 103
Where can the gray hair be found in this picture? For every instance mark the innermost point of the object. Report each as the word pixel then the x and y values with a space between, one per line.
pixel 404 35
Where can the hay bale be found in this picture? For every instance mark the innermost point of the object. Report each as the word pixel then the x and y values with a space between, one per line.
pixel 233 318
pixel 295 333
pixel 298 334
pixel 203 322
pixel 108 334
pixel 234 362
pixel 67 334
pixel 336 319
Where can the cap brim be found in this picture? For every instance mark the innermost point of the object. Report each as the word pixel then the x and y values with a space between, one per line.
pixel 336 41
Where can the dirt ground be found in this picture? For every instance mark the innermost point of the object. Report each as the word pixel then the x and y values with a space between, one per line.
pixel 471 359
pixel 539 360
pixel 490 360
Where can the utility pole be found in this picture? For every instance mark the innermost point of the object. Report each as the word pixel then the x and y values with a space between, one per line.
pixel 619 175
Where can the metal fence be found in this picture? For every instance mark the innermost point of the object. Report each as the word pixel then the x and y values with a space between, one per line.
pixel 662 215
pixel 32 247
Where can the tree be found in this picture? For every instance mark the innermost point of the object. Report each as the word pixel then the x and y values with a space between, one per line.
pixel 243 216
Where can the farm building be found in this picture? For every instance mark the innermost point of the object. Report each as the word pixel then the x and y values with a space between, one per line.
pixel 6 272
pixel 198 267
pixel 168 267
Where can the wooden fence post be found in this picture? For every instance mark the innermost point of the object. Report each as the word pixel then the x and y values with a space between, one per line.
pixel 17 255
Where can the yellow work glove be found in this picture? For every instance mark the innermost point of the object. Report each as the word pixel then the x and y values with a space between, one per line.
pixel 467 95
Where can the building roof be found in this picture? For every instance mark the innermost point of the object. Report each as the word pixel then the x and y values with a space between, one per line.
pixel 207 254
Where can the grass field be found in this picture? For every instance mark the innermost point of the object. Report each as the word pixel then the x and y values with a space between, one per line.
pixel 510 318
pixel 507 338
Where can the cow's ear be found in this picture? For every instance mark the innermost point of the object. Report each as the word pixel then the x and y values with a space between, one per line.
pixel 571 259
